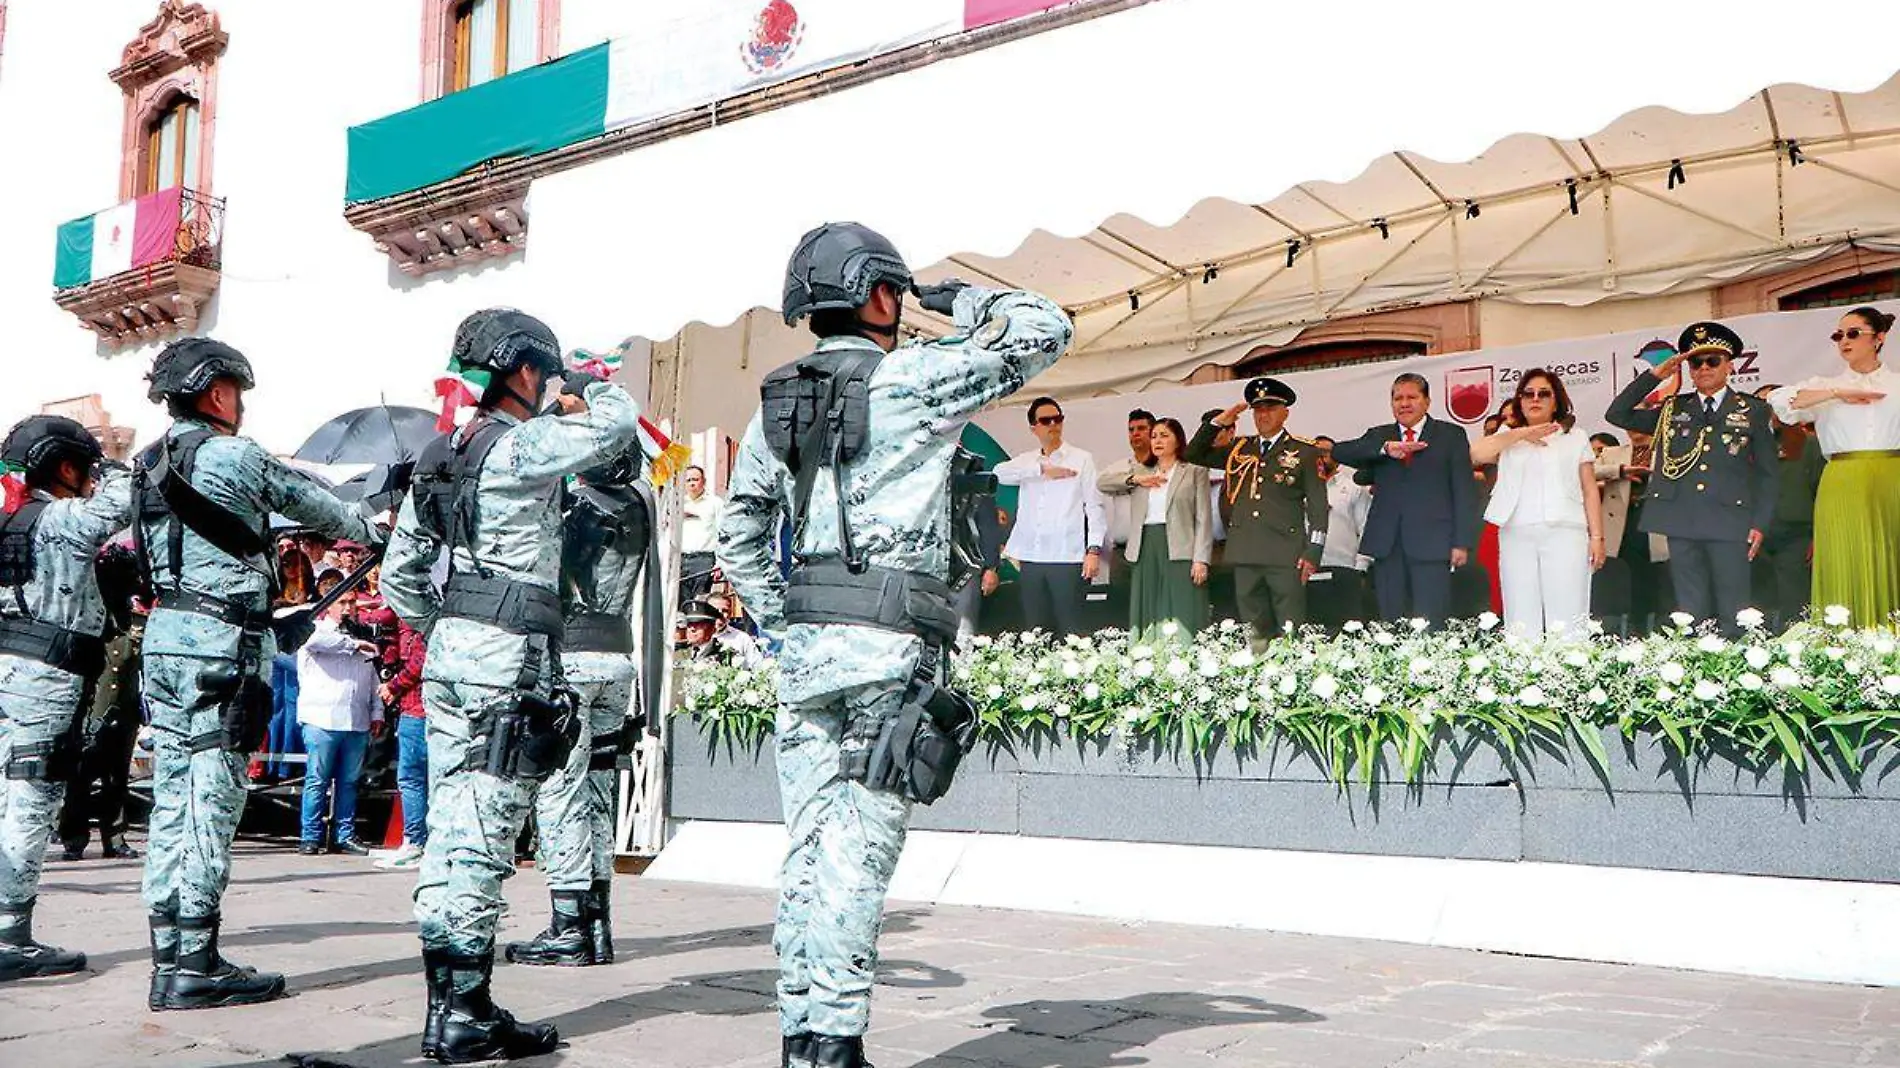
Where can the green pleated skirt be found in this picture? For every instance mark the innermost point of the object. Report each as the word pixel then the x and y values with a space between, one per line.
pixel 1857 537
pixel 1164 589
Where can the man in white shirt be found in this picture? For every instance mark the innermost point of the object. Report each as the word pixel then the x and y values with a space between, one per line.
pixel 1338 593
pixel 699 535
pixel 1061 524
pixel 1119 507
pixel 338 709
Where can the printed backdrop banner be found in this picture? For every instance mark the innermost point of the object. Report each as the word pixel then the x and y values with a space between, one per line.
pixel 687 55
pixel 1782 348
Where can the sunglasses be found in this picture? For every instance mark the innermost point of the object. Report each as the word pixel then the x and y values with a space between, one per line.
pixel 1706 361
pixel 1049 420
pixel 1538 394
pixel 1852 333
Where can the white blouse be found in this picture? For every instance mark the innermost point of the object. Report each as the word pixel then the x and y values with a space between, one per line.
pixel 1158 498
pixel 1843 427
pixel 1541 483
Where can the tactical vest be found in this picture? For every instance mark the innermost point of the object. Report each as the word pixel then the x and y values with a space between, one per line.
pixel 162 489
pixel 446 491
pixel 23 635
pixel 815 414
pixel 599 519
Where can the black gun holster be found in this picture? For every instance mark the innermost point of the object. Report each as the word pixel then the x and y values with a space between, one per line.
pixel 243 697
pixel 919 747
pixel 534 739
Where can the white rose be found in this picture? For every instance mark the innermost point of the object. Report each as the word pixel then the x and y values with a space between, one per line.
pixel 1709 643
pixel 1347 663
pixel 1484 695
pixel 1671 672
pixel 1241 660
pixel 1071 669
pixel 994 691
pixel 1837 615
pixel 1177 667
pixel 1596 696
pixel 1750 618
pixel 1145 669
pixel 1478 664
pixel 1091 692
pixel 1210 667
pixel 1706 690
pixel 1288 684
pixel 1240 702
pixel 1853 666
pixel 1385 640
pixel 1784 677
pixel 1793 650
pixel 1664 693
pixel 1884 646
pixel 1170 628
pixel 1029 701
pixel 1488 621
pixel 1141 652
pixel 1576 659
pixel 1372 695
pixel 1063 710
pixel 1532 696
pixel 1325 687
pixel 1835 652
pixel 1629 654
pixel 1420 665
pixel 1418 625
pixel 981 641
pixel 1756 657
pixel 1890 684
pixel 1681 619
pixel 1204 695
pixel 1750 681
pixel 1353 626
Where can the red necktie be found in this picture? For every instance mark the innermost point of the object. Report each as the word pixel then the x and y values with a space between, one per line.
pixel 1411 435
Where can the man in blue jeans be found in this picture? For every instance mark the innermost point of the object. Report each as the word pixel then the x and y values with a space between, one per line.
pixel 337 707
pixel 403 692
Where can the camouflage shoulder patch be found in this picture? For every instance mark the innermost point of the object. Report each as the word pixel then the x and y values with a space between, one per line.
pixel 992 331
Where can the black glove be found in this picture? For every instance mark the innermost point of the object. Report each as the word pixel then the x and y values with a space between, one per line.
pixel 940 298
pixel 574 382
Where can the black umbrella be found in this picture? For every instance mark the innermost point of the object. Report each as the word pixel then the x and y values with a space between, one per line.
pixel 379 435
pixel 381 487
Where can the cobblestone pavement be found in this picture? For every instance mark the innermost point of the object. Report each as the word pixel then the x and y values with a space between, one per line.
pixel 959 987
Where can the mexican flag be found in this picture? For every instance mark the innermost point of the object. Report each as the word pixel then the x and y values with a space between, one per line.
pixel 116 240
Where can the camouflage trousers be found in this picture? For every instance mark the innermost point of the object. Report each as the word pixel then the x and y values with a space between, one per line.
pixel 37 705
pixel 574 808
pixel 197 799
pixel 845 841
pixel 474 819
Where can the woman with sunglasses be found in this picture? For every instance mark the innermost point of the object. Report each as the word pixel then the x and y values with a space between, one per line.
pixel 1856 416
pixel 1547 509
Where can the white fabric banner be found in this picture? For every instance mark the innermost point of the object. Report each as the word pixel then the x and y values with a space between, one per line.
pixel 112 234
pixel 682 56
pixel 1782 348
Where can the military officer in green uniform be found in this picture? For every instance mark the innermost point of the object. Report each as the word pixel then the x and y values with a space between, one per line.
pixel 1277 505
pixel 1716 472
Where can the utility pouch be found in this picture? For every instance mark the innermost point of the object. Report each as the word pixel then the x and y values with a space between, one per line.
pixel 533 740
pixel 918 750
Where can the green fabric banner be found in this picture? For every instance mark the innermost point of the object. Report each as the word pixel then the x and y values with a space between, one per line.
pixel 72 265
pixel 528 112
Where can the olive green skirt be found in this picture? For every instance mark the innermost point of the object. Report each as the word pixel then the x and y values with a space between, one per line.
pixel 1857 537
pixel 1164 589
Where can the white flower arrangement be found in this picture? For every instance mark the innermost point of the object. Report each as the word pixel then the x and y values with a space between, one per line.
pixel 1820 691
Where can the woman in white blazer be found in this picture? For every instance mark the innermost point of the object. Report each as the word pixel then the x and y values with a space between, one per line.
pixel 1171 550
pixel 1547 508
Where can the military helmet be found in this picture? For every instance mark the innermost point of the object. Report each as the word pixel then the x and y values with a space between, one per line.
pixel 38 442
pixel 837 266
pixel 502 339
pixel 187 367
pixel 622 470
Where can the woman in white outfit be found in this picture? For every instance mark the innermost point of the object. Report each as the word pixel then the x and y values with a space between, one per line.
pixel 1547 509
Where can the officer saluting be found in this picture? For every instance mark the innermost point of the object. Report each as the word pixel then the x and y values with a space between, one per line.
pixel 1276 528
pixel 1715 475
pixel 490 495
pixel 52 619
pixel 856 445
pixel 204 499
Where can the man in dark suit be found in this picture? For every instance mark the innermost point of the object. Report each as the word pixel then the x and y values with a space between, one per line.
pixel 1423 522
pixel 1277 523
pixel 1715 477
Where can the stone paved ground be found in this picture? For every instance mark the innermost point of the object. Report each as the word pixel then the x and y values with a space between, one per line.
pixel 960 987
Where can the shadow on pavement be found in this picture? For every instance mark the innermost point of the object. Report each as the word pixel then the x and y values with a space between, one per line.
pixel 1098 1034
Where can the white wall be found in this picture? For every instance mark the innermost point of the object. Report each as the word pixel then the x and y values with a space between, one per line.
pixel 327 322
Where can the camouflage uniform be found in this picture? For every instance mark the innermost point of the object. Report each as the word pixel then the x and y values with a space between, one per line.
pixel 198 789
pixel 473 668
pixel 38 701
pixel 838 683
pixel 574 808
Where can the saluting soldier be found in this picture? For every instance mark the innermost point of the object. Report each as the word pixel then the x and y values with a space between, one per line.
pixel 1276 502
pixel 1713 487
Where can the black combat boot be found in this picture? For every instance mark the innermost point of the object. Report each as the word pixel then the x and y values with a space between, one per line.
pixel 567 940
pixel 23 958
pixel 600 925
pixel 205 980
pixel 438 969
pixel 830 1051
pixel 164 956
pixel 795 1050
pixel 473 1027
